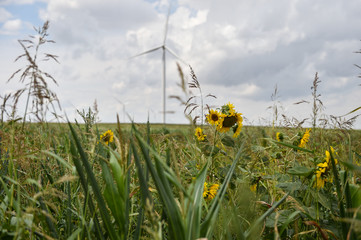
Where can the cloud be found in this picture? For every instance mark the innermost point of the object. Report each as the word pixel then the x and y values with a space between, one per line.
pixel 239 50
pixel 17 2
pixel 81 19
pixel 4 15
pixel 11 27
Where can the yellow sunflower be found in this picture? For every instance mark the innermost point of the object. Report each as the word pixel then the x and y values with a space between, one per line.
pixel 328 155
pixel 304 138
pixel 199 134
pixel 323 172
pixel 214 117
pixel 238 125
pixel 210 190
pixel 323 165
pixel 229 121
pixel 320 181
pixel 228 109
pixel 107 137
pixel 279 137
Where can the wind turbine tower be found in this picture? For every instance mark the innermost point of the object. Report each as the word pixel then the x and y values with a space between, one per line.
pixel 164 48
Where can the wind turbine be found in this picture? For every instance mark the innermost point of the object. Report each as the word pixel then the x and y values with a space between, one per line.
pixel 164 48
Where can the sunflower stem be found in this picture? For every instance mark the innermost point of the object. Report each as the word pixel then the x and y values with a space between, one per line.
pixel 213 147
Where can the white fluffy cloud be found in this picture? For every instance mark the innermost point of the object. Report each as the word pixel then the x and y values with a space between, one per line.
pixel 4 15
pixel 11 27
pixel 240 50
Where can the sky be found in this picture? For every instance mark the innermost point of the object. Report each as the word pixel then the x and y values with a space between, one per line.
pixel 240 51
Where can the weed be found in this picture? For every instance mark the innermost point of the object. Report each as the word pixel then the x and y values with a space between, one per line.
pixel 34 78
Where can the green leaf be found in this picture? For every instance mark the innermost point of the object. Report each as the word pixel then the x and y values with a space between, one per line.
pixel 355 110
pixel 75 234
pixel 292 146
pixel 353 167
pixel 355 191
pixel 194 203
pixel 228 141
pixel 321 198
pixel 281 219
pixel 290 218
pixel 112 196
pixel 260 220
pixel 290 186
pixel 118 173
pixel 300 171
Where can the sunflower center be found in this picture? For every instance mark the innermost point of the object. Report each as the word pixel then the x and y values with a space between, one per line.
pixel 214 117
pixel 229 121
pixel 106 138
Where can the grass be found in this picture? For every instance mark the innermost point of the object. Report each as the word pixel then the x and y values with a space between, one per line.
pixel 61 182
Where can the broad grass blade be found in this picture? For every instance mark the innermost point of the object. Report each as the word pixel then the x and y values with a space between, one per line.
pixel 259 221
pixel 293 146
pixel 339 192
pixel 194 204
pixel 104 213
pixel 144 190
pixel 157 172
pixel 83 181
pixel 208 224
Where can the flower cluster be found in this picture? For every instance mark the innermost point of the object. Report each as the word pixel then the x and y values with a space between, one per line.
pixel 225 119
pixel 210 190
pixel 323 169
pixel 107 137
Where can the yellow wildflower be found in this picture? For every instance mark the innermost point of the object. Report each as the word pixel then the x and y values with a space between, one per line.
pixel 210 190
pixel 320 182
pixel 279 136
pixel 199 134
pixel 214 117
pixel 107 137
pixel 229 121
pixel 226 119
pixel 253 187
pixel 328 155
pixel 323 165
pixel 228 109
pixel 238 125
pixel 304 139
pixel 323 170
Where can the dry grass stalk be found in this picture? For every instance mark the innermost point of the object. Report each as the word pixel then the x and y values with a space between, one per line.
pixel 190 103
pixel 36 80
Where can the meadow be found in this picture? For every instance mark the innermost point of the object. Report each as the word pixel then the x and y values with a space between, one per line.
pixel 214 178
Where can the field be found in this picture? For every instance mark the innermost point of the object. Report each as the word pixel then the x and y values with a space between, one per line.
pixel 61 181
pixel 214 178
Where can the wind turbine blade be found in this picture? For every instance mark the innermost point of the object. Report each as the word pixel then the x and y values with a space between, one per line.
pixel 146 52
pixel 175 55
pixel 166 26
pixel 164 83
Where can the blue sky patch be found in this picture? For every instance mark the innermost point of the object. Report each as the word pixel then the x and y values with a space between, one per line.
pixel 27 12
